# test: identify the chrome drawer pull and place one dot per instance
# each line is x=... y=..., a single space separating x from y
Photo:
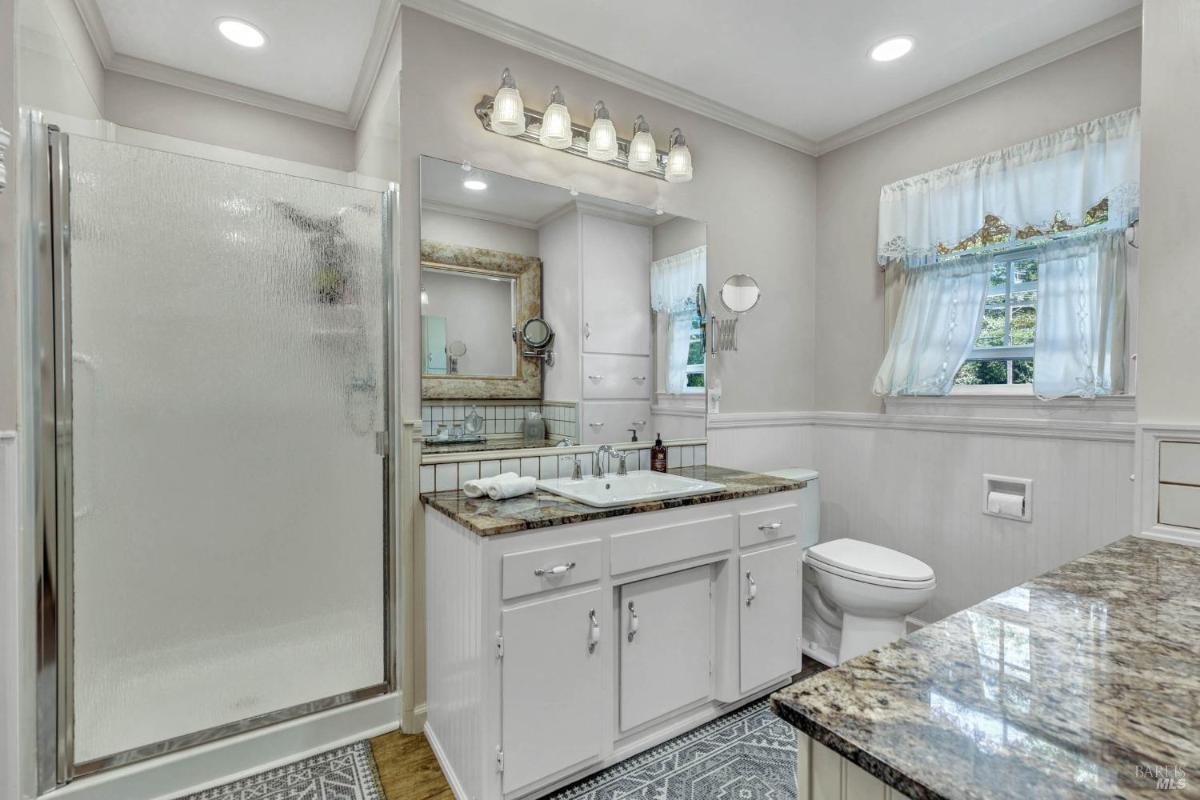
x=752 y=589
x=595 y=377
x=633 y=621
x=593 y=631
x=639 y=379
x=773 y=526
x=639 y=423
x=561 y=569
x=596 y=424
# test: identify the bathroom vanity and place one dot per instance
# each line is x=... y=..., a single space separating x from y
x=562 y=637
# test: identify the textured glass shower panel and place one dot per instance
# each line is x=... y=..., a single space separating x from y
x=228 y=384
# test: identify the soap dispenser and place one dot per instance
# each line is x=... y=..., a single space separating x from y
x=658 y=455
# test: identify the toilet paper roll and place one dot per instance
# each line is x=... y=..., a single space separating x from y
x=1010 y=505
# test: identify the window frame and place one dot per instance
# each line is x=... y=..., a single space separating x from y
x=697 y=333
x=1007 y=353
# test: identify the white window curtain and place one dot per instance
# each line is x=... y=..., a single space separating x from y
x=935 y=327
x=1079 y=347
x=1068 y=194
x=673 y=282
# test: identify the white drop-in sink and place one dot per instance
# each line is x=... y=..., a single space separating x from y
x=638 y=486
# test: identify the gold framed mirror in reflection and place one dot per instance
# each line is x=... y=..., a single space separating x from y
x=473 y=300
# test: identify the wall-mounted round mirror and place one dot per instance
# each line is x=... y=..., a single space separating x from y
x=456 y=349
x=701 y=301
x=537 y=333
x=740 y=293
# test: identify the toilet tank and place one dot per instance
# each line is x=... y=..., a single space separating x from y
x=810 y=502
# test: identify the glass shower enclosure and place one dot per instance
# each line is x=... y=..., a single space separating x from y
x=213 y=465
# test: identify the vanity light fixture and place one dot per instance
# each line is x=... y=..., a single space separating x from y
x=508 y=110
x=893 y=48
x=642 y=155
x=241 y=32
x=600 y=143
x=602 y=138
x=679 y=158
x=556 y=123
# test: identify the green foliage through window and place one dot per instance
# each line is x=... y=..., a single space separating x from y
x=1003 y=350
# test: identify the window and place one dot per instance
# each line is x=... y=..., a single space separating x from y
x=695 y=356
x=1002 y=354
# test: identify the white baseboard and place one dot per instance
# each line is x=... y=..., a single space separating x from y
x=209 y=765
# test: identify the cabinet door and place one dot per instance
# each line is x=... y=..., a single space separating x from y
x=770 y=615
x=616 y=286
x=552 y=682
x=666 y=644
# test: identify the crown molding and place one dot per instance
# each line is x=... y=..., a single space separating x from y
x=1102 y=31
x=385 y=23
x=368 y=74
x=487 y=24
x=471 y=213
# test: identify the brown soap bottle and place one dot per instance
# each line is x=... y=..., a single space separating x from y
x=658 y=455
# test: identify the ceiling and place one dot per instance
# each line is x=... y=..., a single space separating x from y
x=795 y=71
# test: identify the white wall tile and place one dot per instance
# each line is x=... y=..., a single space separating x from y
x=446 y=477
x=549 y=467
x=511 y=465
x=427 y=479
x=489 y=469
x=530 y=467
x=467 y=471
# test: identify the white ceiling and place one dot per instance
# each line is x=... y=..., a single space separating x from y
x=795 y=71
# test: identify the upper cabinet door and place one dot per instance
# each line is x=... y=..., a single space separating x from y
x=552 y=679
x=770 y=599
x=616 y=286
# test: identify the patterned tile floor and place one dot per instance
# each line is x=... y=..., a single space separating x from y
x=408 y=769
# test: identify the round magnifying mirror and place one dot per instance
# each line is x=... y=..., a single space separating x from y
x=457 y=348
x=536 y=333
x=740 y=293
x=701 y=301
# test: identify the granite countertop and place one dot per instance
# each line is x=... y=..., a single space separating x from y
x=543 y=510
x=1081 y=683
x=432 y=446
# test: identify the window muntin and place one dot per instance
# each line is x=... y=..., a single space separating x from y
x=695 y=358
x=1003 y=351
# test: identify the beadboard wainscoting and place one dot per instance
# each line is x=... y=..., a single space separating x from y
x=913 y=482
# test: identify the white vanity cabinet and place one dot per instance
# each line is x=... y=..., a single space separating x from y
x=554 y=652
x=615 y=257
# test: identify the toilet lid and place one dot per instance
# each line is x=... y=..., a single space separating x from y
x=869 y=560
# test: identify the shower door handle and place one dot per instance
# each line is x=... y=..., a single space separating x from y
x=81 y=510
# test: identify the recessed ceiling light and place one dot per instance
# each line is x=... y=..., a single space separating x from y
x=241 y=32
x=475 y=184
x=891 y=49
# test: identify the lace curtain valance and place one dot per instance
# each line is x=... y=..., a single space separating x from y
x=1085 y=176
x=673 y=279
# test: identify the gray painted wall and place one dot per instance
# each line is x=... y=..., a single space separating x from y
x=849 y=287
x=758 y=198
x=1168 y=383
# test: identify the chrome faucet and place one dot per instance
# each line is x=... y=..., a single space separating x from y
x=603 y=450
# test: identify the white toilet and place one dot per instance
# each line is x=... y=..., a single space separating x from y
x=857 y=595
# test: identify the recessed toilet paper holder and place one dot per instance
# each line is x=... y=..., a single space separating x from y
x=1008 y=498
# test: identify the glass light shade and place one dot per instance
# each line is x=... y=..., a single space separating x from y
x=508 y=112
x=556 y=123
x=679 y=159
x=642 y=152
x=602 y=140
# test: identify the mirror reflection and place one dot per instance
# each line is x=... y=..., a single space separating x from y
x=740 y=293
x=554 y=318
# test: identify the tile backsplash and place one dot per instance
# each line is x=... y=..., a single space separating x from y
x=502 y=418
x=450 y=476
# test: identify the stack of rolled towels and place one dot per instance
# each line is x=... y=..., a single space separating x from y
x=500 y=487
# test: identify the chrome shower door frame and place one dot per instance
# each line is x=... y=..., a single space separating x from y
x=53 y=479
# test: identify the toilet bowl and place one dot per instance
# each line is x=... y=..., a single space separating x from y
x=857 y=596
x=872 y=588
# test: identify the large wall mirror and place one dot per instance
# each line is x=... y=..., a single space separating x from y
x=549 y=317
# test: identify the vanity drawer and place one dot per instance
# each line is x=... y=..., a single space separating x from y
x=616 y=377
x=670 y=543
x=769 y=525
x=607 y=421
x=533 y=571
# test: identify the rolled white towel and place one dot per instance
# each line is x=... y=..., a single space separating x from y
x=479 y=487
x=514 y=486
